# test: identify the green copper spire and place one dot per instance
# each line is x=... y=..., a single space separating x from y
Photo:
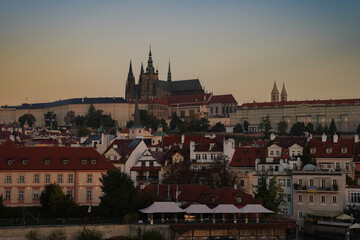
x=150 y=68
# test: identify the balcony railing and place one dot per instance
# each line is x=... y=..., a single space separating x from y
x=333 y=187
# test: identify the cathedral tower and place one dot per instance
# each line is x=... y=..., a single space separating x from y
x=130 y=85
x=275 y=94
x=148 y=80
x=283 y=94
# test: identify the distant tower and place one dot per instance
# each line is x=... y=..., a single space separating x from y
x=130 y=85
x=275 y=94
x=169 y=73
x=283 y=94
x=136 y=130
x=148 y=80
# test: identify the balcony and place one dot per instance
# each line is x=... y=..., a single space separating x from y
x=298 y=187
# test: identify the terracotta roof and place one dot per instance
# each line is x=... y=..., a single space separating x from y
x=229 y=98
x=197 y=99
x=286 y=142
x=357 y=152
x=292 y=103
x=122 y=148
x=37 y=157
x=246 y=156
x=336 y=148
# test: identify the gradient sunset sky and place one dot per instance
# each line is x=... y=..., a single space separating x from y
x=51 y=50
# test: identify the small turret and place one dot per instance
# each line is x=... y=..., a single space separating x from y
x=283 y=94
x=275 y=94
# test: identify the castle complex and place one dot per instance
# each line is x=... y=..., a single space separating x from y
x=150 y=86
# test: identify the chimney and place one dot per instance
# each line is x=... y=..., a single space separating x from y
x=272 y=136
x=182 y=138
x=356 y=138
x=323 y=138
x=335 y=138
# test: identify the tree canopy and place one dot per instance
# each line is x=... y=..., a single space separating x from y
x=238 y=128
x=246 y=126
x=218 y=127
x=282 y=127
x=298 y=129
x=266 y=126
x=271 y=194
x=29 y=118
x=332 y=128
x=118 y=194
x=50 y=120
x=69 y=118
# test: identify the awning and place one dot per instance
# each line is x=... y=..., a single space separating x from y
x=343 y=217
x=163 y=207
x=355 y=226
x=254 y=208
x=198 y=208
x=226 y=208
x=324 y=213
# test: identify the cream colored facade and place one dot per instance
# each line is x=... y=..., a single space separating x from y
x=317 y=191
x=346 y=113
x=23 y=188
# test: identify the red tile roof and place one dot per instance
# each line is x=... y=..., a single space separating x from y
x=336 y=148
x=292 y=103
x=186 y=100
x=246 y=156
x=36 y=157
x=229 y=98
x=286 y=142
x=122 y=149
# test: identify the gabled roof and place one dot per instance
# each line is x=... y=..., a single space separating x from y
x=286 y=142
x=124 y=148
x=36 y=158
x=186 y=100
x=336 y=148
x=228 y=98
x=186 y=85
x=246 y=156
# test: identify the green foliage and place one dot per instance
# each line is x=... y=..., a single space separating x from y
x=319 y=129
x=218 y=127
x=69 y=118
x=2 y=205
x=119 y=194
x=282 y=127
x=129 y=123
x=246 y=126
x=175 y=122
x=179 y=173
x=350 y=181
x=238 y=128
x=147 y=198
x=80 y=121
x=306 y=157
x=54 y=203
x=50 y=120
x=83 y=132
x=353 y=210
x=27 y=117
x=332 y=128
x=358 y=129
x=131 y=218
x=88 y=234
x=164 y=125
x=271 y=194
x=32 y=235
x=55 y=235
x=309 y=128
x=298 y=129
x=266 y=126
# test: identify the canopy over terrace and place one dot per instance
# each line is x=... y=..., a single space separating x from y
x=226 y=208
x=199 y=209
x=254 y=208
x=162 y=207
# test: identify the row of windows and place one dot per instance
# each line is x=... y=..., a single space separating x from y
x=355 y=197
x=322 y=198
x=47 y=179
x=36 y=194
x=204 y=156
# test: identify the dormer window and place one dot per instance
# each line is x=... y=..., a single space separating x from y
x=114 y=146
x=329 y=150
x=83 y=162
x=65 y=161
x=11 y=161
x=47 y=161
x=344 y=150
x=25 y=161
x=238 y=199
x=313 y=150
x=93 y=162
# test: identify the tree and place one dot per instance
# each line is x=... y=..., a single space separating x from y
x=80 y=121
x=282 y=127
x=332 y=128
x=83 y=132
x=271 y=194
x=118 y=194
x=220 y=175
x=218 y=127
x=358 y=129
x=147 y=198
x=88 y=234
x=306 y=157
x=164 y=125
x=179 y=173
x=309 y=128
x=298 y=129
x=246 y=126
x=29 y=118
x=353 y=210
x=319 y=129
x=175 y=122
x=238 y=128
x=54 y=203
x=2 y=205
x=266 y=126
x=69 y=118
x=50 y=120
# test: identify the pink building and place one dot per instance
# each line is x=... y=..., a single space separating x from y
x=24 y=172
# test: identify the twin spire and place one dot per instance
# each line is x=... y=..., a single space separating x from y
x=275 y=94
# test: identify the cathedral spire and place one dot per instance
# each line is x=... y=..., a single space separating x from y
x=283 y=94
x=142 y=68
x=130 y=69
x=169 y=73
x=130 y=84
x=150 y=68
x=275 y=94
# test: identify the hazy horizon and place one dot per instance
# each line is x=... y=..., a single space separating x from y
x=51 y=50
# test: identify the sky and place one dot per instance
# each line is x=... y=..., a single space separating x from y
x=51 y=50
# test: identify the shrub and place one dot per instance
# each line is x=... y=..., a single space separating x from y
x=152 y=235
